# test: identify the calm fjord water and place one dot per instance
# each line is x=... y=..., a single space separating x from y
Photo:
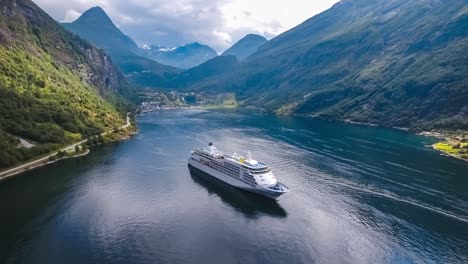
x=358 y=195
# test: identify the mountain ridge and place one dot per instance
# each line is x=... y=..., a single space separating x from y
x=366 y=61
x=55 y=88
x=184 y=57
x=95 y=22
x=200 y=75
x=246 y=46
x=97 y=27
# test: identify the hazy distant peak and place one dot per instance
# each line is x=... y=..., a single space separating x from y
x=186 y=56
x=246 y=46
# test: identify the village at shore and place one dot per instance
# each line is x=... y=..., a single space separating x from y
x=453 y=144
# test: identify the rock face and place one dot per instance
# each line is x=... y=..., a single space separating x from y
x=30 y=27
x=96 y=27
x=55 y=88
x=104 y=74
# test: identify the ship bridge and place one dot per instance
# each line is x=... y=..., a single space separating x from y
x=249 y=163
x=211 y=151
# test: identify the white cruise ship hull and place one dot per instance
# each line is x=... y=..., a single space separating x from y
x=273 y=194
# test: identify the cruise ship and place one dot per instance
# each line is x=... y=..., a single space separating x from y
x=242 y=172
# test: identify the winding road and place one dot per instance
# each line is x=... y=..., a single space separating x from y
x=18 y=169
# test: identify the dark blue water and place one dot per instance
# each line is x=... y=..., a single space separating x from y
x=358 y=195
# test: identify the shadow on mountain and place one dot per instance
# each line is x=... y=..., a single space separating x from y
x=250 y=204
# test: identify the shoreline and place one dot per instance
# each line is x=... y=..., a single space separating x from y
x=448 y=139
x=443 y=153
x=442 y=136
x=42 y=162
x=8 y=173
x=39 y=164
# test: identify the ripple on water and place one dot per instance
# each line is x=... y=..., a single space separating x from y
x=358 y=195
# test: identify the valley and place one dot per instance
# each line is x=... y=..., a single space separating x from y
x=363 y=61
x=61 y=89
x=359 y=107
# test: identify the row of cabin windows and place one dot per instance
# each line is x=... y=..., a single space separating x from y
x=247 y=175
x=233 y=173
x=208 y=156
x=201 y=154
x=225 y=170
x=229 y=169
x=249 y=181
x=260 y=172
x=229 y=165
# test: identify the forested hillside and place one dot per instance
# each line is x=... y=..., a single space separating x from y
x=246 y=46
x=395 y=63
x=54 y=87
x=204 y=73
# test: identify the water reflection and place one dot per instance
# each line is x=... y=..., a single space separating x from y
x=252 y=205
x=359 y=195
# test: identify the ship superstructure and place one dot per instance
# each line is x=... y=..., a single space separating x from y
x=242 y=172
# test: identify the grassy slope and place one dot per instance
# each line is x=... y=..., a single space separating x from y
x=201 y=75
x=458 y=150
x=52 y=85
x=223 y=101
x=394 y=63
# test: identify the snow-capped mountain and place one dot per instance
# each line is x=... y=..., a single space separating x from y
x=184 y=57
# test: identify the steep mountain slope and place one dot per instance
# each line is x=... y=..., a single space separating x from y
x=246 y=46
x=52 y=84
x=202 y=74
x=395 y=63
x=184 y=57
x=95 y=26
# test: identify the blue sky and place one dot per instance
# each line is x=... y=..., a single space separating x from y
x=218 y=23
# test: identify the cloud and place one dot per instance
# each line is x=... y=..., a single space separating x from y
x=223 y=35
x=218 y=23
x=71 y=15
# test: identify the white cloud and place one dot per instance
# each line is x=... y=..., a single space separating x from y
x=71 y=15
x=269 y=16
x=218 y=23
x=223 y=35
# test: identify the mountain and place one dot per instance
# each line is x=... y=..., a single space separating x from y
x=246 y=46
x=394 y=63
x=55 y=88
x=202 y=74
x=95 y=26
x=184 y=57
